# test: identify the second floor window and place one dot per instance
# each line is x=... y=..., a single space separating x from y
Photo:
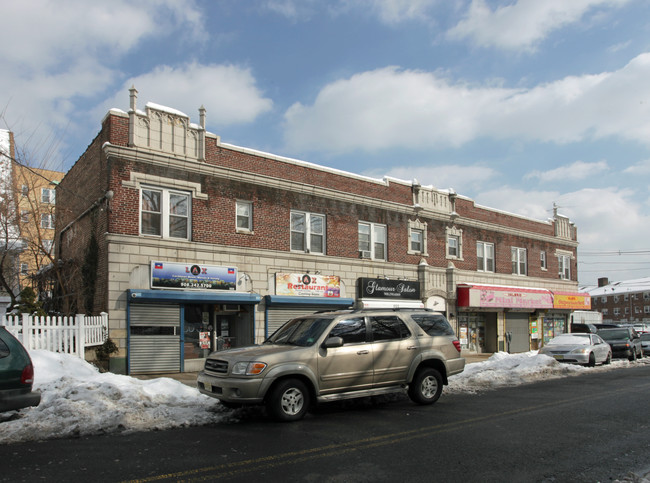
x=564 y=263
x=307 y=232
x=417 y=240
x=24 y=269
x=372 y=241
x=484 y=257
x=244 y=216
x=47 y=195
x=519 y=264
x=165 y=213
x=542 y=260
x=47 y=221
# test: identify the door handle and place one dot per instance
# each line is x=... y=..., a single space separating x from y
x=411 y=348
x=362 y=352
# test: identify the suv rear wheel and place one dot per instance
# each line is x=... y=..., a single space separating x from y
x=289 y=400
x=426 y=386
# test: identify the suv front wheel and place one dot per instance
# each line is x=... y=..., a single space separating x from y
x=288 y=400
x=426 y=386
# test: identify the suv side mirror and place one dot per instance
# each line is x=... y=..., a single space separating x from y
x=332 y=342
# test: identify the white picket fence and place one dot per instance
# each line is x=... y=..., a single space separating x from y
x=70 y=335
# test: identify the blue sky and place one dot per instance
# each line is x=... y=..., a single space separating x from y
x=517 y=104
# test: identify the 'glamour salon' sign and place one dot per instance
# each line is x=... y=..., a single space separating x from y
x=388 y=289
x=174 y=275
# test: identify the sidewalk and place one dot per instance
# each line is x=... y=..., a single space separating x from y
x=189 y=378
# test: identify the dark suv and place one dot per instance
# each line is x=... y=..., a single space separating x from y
x=337 y=355
x=16 y=374
x=625 y=342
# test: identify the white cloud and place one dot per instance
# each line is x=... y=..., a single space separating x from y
x=228 y=92
x=573 y=172
x=642 y=168
x=523 y=24
x=461 y=178
x=391 y=107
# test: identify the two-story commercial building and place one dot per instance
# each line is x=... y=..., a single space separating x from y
x=191 y=245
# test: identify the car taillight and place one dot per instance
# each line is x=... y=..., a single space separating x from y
x=457 y=345
x=27 y=377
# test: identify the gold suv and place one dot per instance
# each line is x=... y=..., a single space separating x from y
x=337 y=355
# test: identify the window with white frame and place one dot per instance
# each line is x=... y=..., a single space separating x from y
x=564 y=266
x=372 y=240
x=454 y=244
x=47 y=195
x=47 y=220
x=24 y=216
x=603 y=300
x=307 y=232
x=244 y=216
x=48 y=245
x=519 y=261
x=617 y=311
x=24 y=190
x=484 y=257
x=605 y=311
x=542 y=260
x=417 y=238
x=627 y=310
x=646 y=295
x=165 y=213
x=626 y=297
x=646 y=309
x=24 y=269
x=616 y=299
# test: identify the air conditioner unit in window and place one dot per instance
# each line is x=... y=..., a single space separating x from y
x=364 y=254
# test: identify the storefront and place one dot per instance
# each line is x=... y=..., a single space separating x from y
x=299 y=294
x=556 y=320
x=190 y=311
x=495 y=318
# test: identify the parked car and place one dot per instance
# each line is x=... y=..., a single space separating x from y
x=645 y=343
x=587 y=349
x=625 y=342
x=16 y=375
x=338 y=355
x=583 y=328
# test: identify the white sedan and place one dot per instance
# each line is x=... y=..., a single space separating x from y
x=587 y=349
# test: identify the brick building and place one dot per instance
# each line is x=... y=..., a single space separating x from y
x=191 y=245
x=624 y=302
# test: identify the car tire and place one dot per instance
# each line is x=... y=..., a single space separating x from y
x=592 y=360
x=608 y=360
x=426 y=386
x=288 y=400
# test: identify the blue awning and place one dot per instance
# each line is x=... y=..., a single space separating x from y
x=272 y=300
x=189 y=296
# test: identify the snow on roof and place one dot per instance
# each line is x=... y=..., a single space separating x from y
x=625 y=286
x=159 y=107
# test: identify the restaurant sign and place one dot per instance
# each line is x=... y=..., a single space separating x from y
x=307 y=285
x=388 y=289
x=182 y=276
x=571 y=300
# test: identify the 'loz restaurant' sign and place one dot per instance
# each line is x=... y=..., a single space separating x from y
x=388 y=289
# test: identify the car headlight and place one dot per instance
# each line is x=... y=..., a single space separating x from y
x=248 y=368
x=580 y=351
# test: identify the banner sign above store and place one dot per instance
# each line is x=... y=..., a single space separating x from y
x=182 y=276
x=388 y=289
x=571 y=300
x=504 y=297
x=307 y=285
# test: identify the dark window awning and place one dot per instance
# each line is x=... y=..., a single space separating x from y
x=189 y=296
x=284 y=300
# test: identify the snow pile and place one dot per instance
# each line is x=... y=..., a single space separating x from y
x=78 y=400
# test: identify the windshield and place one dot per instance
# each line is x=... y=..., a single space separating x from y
x=302 y=332
x=645 y=336
x=612 y=334
x=574 y=339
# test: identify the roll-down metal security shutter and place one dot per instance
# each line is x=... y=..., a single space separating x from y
x=155 y=341
x=517 y=324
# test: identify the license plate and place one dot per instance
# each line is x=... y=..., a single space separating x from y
x=558 y=357
x=207 y=386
